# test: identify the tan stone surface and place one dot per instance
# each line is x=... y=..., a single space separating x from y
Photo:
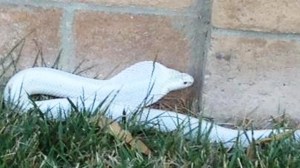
x=115 y=41
x=39 y=27
x=258 y=15
x=169 y=4
x=252 y=78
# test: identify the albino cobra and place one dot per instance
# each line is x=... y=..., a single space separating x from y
x=131 y=90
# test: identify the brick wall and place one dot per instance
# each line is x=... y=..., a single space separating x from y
x=253 y=65
x=107 y=35
x=244 y=55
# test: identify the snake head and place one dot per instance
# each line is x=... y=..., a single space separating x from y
x=167 y=79
x=179 y=80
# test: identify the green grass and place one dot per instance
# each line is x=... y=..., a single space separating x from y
x=28 y=140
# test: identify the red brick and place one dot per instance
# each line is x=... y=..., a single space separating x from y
x=115 y=41
x=39 y=27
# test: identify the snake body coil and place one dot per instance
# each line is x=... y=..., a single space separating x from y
x=143 y=84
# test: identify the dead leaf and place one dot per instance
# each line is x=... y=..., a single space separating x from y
x=117 y=131
x=251 y=150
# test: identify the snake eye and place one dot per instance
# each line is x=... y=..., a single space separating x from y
x=185 y=83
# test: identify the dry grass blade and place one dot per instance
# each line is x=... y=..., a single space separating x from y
x=277 y=137
x=251 y=150
x=118 y=132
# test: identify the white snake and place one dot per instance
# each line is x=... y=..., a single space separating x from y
x=140 y=85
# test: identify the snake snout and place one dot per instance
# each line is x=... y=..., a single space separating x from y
x=187 y=79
